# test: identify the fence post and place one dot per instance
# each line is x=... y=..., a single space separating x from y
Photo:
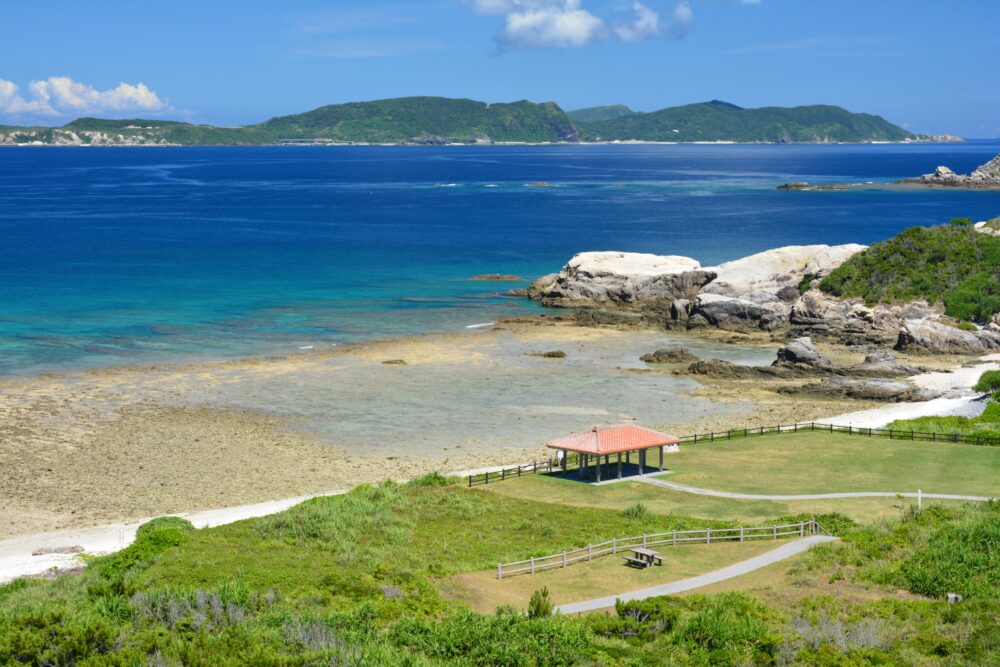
x=741 y=533
x=614 y=545
x=470 y=481
x=564 y=559
x=643 y=541
x=673 y=539
x=499 y=571
x=708 y=536
x=590 y=552
x=774 y=531
x=487 y=478
x=802 y=529
x=518 y=471
x=532 y=565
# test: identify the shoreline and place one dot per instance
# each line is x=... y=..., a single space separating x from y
x=17 y=558
x=496 y=144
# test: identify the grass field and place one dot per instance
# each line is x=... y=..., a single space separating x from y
x=606 y=575
x=817 y=462
x=664 y=501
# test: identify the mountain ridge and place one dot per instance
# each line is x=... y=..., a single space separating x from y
x=425 y=120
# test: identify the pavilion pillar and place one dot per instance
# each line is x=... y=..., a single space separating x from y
x=598 y=467
x=565 y=455
x=642 y=459
x=661 y=458
x=583 y=465
x=619 y=465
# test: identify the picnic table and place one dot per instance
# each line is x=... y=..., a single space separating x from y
x=643 y=558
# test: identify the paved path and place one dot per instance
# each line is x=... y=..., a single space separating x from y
x=773 y=556
x=808 y=496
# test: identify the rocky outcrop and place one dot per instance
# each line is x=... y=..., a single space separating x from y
x=735 y=313
x=802 y=353
x=874 y=389
x=672 y=355
x=933 y=337
x=766 y=273
x=984 y=176
x=621 y=279
x=882 y=365
x=823 y=313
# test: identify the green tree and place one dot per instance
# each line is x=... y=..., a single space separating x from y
x=540 y=605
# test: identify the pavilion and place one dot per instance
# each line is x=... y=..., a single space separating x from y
x=601 y=442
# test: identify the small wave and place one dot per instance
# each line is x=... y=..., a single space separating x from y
x=480 y=326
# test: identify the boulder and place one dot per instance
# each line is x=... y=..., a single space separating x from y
x=672 y=355
x=621 y=278
x=883 y=365
x=803 y=353
x=734 y=313
x=933 y=337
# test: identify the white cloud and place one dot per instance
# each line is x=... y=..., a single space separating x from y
x=62 y=96
x=683 y=18
x=567 y=23
x=645 y=24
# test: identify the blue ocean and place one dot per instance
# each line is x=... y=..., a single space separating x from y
x=135 y=255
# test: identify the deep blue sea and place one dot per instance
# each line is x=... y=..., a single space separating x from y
x=125 y=255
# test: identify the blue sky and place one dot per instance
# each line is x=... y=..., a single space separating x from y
x=927 y=65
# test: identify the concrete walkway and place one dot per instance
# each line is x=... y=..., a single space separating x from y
x=807 y=496
x=773 y=556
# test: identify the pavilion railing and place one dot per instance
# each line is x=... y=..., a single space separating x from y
x=673 y=538
x=573 y=460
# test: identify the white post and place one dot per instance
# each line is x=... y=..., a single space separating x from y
x=532 y=565
x=614 y=545
x=741 y=533
x=920 y=499
x=708 y=536
x=499 y=571
x=590 y=552
x=564 y=559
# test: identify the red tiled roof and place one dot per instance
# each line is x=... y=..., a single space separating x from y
x=612 y=439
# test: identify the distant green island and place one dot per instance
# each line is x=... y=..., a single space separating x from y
x=441 y=121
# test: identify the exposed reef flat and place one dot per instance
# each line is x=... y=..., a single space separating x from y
x=124 y=443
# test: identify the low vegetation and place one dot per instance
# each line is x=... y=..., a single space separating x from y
x=986 y=424
x=952 y=264
x=353 y=580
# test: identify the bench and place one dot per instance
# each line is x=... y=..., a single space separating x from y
x=637 y=562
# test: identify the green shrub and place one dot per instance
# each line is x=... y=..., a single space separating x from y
x=960 y=557
x=540 y=605
x=151 y=539
x=731 y=627
x=951 y=264
x=988 y=382
x=966 y=326
x=431 y=479
x=637 y=512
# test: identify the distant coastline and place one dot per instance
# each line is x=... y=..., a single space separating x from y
x=438 y=121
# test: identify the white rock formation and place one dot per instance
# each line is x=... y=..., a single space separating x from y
x=769 y=271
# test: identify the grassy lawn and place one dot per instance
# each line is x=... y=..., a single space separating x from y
x=817 y=462
x=604 y=576
x=393 y=535
x=665 y=501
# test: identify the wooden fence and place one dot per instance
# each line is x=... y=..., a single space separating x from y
x=573 y=460
x=707 y=536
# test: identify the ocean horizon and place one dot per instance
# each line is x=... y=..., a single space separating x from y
x=121 y=256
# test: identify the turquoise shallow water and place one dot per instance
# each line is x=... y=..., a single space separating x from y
x=126 y=255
